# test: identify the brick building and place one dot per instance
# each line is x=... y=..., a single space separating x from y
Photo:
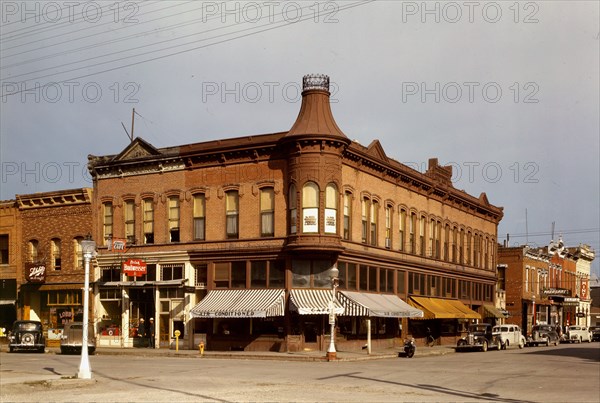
x=9 y=261
x=51 y=275
x=239 y=238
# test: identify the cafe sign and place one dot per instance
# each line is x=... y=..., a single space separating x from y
x=134 y=267
x=35 y=272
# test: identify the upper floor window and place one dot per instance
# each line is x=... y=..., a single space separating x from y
x=347 y=214
x=310 y=208
x=412 y=233
x=78 y=252
x=199 y=217
x=232 y=214
x=364 y=212
x=148 y=206
x=33 y=250
x=422 y=236
x=331 y=207
x=174 y=219
x=130 y=221
x=107 y=221
x=402 y=229
x=292 y=202
x=374 y=214
x=267 y=212
x=388 y=227
x=4 y=256
x=171 y=272
x=55 y=254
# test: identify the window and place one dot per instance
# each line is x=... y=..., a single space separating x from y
x=130 y=221
x=402 y=229
x=107 y=223
x=469 y=251
x=454 y=245
x=374 y=221
x=310 y=208
x=110 y=274
x=386 y=280
x=364 y=214
x=201 y=275
x=292 y=200
x=199 y=217
x=55 y=254
x=388 y=227
x=232 y=214
x=461 y=252
x=33 y=247
x=276 y=274
x=422 y=235
x=476 y=260
x=148 y=221
x=447 y=243
x=221 y=275
x=347 y=214
x=171 y=272
x=311 y=273
x=4 y=256
x=401 y=282
x=174 y=219
x=267 y=212
x=431 y=237
x=238 y=274
x=78 y=252
x=412 y=229
x=258 y=274
x=331 y=206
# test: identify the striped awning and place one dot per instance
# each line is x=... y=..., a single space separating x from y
x=241 y=304
x=438 y=308
x=381 y=305
x=314 y=302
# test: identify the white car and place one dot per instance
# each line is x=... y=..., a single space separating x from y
x=577 y=334
x=509 y=335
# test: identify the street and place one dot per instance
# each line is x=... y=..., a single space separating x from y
x=538 y=374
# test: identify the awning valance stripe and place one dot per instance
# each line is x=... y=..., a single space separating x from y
x=381 y=305
x=241 y=304
x=313 y=302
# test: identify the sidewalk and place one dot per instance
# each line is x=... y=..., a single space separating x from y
x=268 y=355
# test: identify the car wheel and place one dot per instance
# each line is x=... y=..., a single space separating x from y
x=499 y=345
x=461 y=344
x=556 y=342
x=521 y=344
x=484 y=346
x=547 y=342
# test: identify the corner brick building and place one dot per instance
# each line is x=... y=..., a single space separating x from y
x=236 y=242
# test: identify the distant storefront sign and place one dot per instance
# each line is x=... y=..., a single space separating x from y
x=134 y=267
x=562 y=292
x=35 y=273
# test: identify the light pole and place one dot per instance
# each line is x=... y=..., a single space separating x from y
x=331 y=353
x=88 y=247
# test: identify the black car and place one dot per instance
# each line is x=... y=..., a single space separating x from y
x=544 y=335
x=595 y=330
x=27 y=335
x=480 y=337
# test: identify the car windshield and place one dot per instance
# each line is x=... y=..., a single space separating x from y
x=574 y=328
x=27 y=326
x=544 y=328
x=478 y=328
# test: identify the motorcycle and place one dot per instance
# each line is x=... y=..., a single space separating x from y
x=409 y=347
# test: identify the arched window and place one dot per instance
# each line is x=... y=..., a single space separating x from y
x=310 y=208
x=174 y=219
x=267 y=212
x=129 y=221
x=148 y=221
x=347 y=214
x=293 y=209
x=331 y=206
x=199 y=216
x=77 y=252
x=33 y=247
x=232 y=214
x=107 y=223
x=55 y=255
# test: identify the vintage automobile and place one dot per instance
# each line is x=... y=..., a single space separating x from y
x=509 y=335
x=72 y=338
x=544 y=335
x=480 y=337
x=595 y=330
x=27 y=335
x=578 y=334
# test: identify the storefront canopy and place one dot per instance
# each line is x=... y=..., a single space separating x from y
x=382 y=305
x=490 y=311
x=313 y=302
x=241 y=304
x=438 y=308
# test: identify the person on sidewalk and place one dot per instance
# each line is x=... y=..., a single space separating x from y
x=141 y=332
x=150 y=333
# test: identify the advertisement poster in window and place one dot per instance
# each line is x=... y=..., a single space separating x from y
x=310 y=220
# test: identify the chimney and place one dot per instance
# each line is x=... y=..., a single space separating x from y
x=315 y=117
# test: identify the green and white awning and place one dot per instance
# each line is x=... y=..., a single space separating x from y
x=241 y=304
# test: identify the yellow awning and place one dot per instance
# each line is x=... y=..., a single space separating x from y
x=438 y=308
x=490 y=311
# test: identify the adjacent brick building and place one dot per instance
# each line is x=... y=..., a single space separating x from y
x=239 y=238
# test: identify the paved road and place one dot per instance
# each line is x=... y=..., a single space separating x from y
x=543 y=374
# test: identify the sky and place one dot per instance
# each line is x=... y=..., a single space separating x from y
x=506 y=92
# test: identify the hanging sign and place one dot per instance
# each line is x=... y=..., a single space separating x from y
x=35 y=273
x=134 y=267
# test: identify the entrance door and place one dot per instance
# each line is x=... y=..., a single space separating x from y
x=312 y=329
x=141 y=305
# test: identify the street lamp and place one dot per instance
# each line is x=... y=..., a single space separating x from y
x=88 y=247
x=331 y=353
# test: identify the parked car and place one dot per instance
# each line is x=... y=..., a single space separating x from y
x=480 y=337
x=27 y=335
x=509 y=335
x=72 y=338
x=578 y=334
x=543 y=334
x=595 y=330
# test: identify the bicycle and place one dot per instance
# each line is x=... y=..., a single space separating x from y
x=430 y=340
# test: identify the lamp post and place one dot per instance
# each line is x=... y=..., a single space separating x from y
x=331 y=353
x=88 y=247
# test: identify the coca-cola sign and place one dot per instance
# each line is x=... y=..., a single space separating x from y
x=134 y=267
x=35 y=272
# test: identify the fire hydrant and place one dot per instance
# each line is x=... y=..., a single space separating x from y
x=201 y=347
x=177 y=334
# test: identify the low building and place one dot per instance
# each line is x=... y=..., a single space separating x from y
x=261 y=242
x=9 y=262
